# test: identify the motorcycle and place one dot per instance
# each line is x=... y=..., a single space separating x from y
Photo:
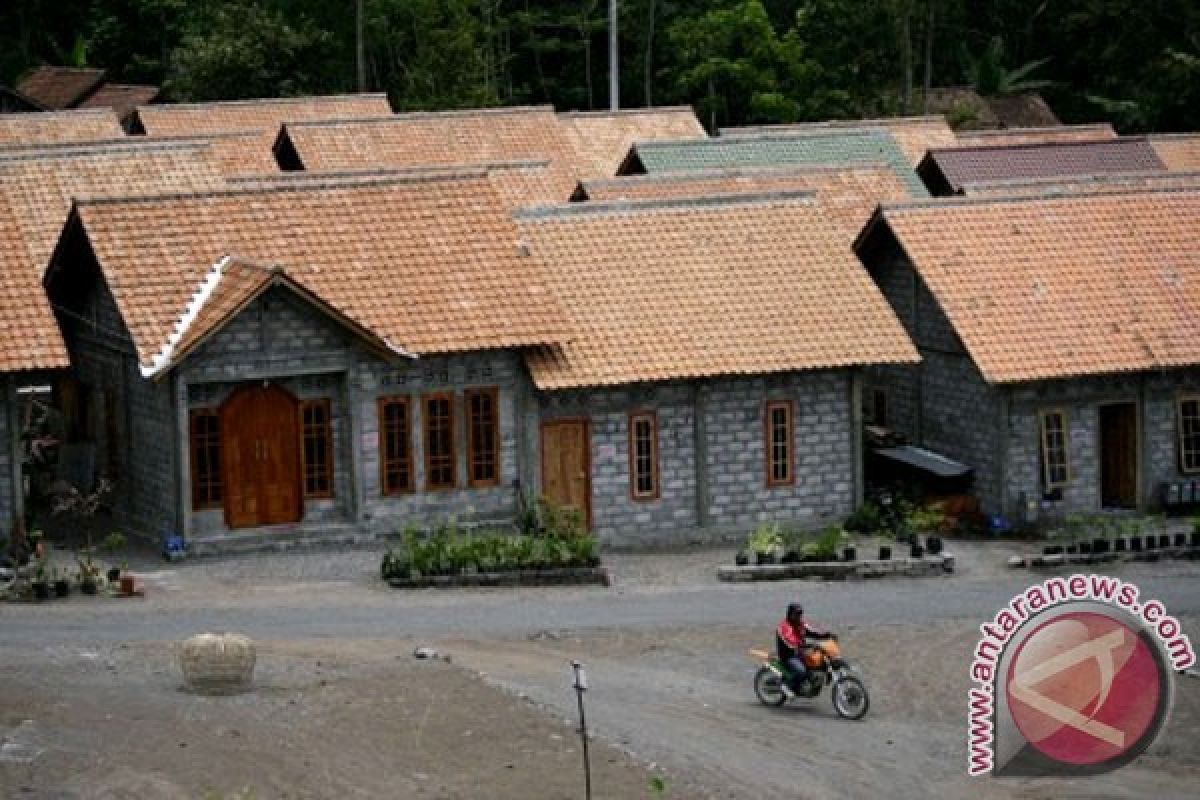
x=826 y=667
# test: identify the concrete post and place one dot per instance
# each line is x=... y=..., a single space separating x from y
x=856 y=434
x=700 y=449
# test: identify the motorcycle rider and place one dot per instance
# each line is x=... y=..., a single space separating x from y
x=789 y=645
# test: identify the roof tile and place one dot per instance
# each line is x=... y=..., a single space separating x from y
x=51 y=127
x=1179 y=151
x=914 y=135
x=263 y=115
x=602 y=138
x=29 y=332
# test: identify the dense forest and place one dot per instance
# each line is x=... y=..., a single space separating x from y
x=1135 y=62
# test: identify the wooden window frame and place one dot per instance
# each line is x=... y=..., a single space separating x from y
x=211 y=502
x=1044 y=446
x=327 y=404
x=1187 y=466
x=769 y=442
x=656 y=487
x=410 y=485
x=492 y=392
x=425 y=438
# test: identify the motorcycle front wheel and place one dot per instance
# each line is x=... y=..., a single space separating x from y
x=850 y=698
x=769 y=687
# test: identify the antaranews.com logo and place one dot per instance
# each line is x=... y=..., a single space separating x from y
x=1075 y=676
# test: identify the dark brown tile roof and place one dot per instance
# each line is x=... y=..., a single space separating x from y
x=732 y=285
x=1051 y=287
x=1090 y=184
x=1023 y=111
x=60 y=87
x=428 y=264
x=121 y=97
x=51 y=127
x=949 y=169
x=29 y=335
x=1055 y=133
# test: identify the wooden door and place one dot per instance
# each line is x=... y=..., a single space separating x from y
x=566 y=465
x=260 y=445
x=1118 y=455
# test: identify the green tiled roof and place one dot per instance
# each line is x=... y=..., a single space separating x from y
x=833 y=148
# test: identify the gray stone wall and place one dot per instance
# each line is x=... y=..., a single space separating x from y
x=1161 y=429
x=9 y=458
x=900 y=383
x=719 y=423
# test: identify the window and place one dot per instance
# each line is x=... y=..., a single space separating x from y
x=1189 y=434
x=643 y=455
x=483 y=437
x=317 y=433
x=395 y=447
x=439 y=441
x=779 y=443
x=879 y=408
x=1055 y=467
x=204 y=438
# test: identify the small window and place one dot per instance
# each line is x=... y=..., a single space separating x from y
x=643 y=455
x=439 y=441
x=318 y=448
x=779 y=438
x=204 y=439
x=1055 y=461
x=395 y=445
x=879 y=408
x=1189 y=434
x=483 y=437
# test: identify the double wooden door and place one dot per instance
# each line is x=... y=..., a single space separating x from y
x=566 y=465
x=260 y=446
x=1118 y=455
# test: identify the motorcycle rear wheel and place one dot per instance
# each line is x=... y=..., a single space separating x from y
x=769 y=687
x=850 y=698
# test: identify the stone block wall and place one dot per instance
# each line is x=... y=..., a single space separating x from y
x=1160 y=424
x=9 y=461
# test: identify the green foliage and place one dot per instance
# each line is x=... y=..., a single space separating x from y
x=111 y=543
x=928 y=519
x=867 y=518
x=988 y=75
x=829 y=542
x=658 y=786
x=766 y=538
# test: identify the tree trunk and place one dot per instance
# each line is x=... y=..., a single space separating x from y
x=927 y=84
x=648 y=66
x=906 y=55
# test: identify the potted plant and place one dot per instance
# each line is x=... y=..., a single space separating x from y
x=126 y=579
x=110 y=544
x=742 y=558
x=849 y=553
x=885 y=552
x=764 y=541
x=62 y=586
x=89 y=577
x=41 y=581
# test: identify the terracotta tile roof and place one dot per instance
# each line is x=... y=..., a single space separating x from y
x=41 y=183
x=51 y=127
x=1084 y=183
x=29 y=335
x=60 y=87
x=519 y=183
x=241 y=154
x=121 y=97
x=1028 y=110
x=914 y=135
x=831 y=148
x=1177 y=150
x=446 y=138
x=949 y=169
x=1042 y=288
x=602 y=138
x=848 y=194
x=234 y=116
x=1055 y=133
x=228 y=287
x=665 y=290
x=433 y=267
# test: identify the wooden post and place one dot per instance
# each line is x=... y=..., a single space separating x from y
x=581 y=687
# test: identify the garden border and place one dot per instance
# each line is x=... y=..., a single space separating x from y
x=564 y=576
x=926 y=566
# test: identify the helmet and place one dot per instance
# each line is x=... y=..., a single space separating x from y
x=794 y=609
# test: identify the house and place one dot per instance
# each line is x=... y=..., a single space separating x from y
x=848 y=195
x=62 y=88
x=446 y=138
x=53 y=127
x=33 y=348
x=853 y=146
x=1118 y=182
x=945 y=171
x=914 y=135
x=712 y=377
x=1092 y=132
x=287 y=363
x=1179 y=151
x=1059 y=338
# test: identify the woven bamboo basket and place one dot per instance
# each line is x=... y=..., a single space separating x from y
x=218 y=663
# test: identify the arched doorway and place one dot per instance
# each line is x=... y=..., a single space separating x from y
x=261 y=457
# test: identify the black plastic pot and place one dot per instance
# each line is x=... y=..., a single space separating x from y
x=62 y=588
x=1100 y=545
x=113 y=574
x=1052 y=550
x=1181 y=540
x=790 y=557
x=933 y=544
x=741 y=559
x=41 y=590
x=915 y=550
x=1085 y=548
x=1164 y=540
x=1135 y=544
x=885 y=552
x=1195 y=538
x=1072 y=549
x=1121 y=545
x=764 y=558
x=1151 y=542
x=849 y=554
x=88 y=586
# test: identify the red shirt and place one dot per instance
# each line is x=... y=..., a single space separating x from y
x=792 y=635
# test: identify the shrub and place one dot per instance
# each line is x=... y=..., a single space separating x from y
x=867 y=518
x=829 y=543
x=765 y=538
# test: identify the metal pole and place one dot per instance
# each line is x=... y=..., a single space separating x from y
x=614 y=71
x=581 y=687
